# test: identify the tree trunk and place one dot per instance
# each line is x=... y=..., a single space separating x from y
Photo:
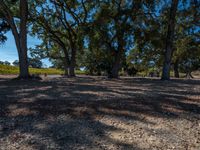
x=66 y=72
x=169 y=41
x=66 y=69
x=189 y=75
x=118 y=56
x=176 y=71
x=23 y=66
x=98 y=72
x=19 y=36
x=72 y=71
x=66 y=60
x=116 y=66
x=23 y=58
x=72 y=63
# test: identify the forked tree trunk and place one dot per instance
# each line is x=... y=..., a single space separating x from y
x=19 y=36
x=22 y=55
x=169 y=41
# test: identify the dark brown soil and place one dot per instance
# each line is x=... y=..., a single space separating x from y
x=95 y=113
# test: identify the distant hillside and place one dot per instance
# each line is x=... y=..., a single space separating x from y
x=12 y=70
x=5 y=69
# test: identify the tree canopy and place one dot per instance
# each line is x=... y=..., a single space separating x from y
x=109 y=36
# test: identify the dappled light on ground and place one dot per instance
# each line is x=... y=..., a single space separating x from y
x=97 y=113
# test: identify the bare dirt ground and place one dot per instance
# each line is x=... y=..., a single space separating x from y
x=95 y=113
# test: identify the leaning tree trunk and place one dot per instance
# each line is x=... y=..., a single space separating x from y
x=169 y=41
x=176 y=70
x=189 y=75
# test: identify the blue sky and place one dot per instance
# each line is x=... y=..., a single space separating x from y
x=8 y=51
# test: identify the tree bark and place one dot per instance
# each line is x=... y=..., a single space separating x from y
x=66 y=61
x=176 y=70
x=169 y=41
x=116 y=66
x=23 y=58
x=72 y=71
x=118 y=55
x=66 y=69
x=21 y=36
x=189 y=75
x=72 y=63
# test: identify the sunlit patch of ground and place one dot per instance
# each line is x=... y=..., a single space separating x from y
x=98 y=113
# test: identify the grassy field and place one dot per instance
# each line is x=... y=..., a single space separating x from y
x=10 y=70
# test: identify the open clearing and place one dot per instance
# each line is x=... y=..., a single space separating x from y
x=98 y=113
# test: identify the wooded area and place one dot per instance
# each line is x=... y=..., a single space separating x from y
x=124 y=75
x=106 y=37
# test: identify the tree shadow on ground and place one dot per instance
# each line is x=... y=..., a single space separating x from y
x=65 y=113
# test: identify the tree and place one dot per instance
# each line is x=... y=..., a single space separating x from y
x=95 y=60
x=35 y=62
x=16 y=63
x=169 y=41
x=20 y=34
x=63 y=28
x=186 y=42
x=114 y=26
x=4 y=27
x=150 y=38
x=7 y=63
